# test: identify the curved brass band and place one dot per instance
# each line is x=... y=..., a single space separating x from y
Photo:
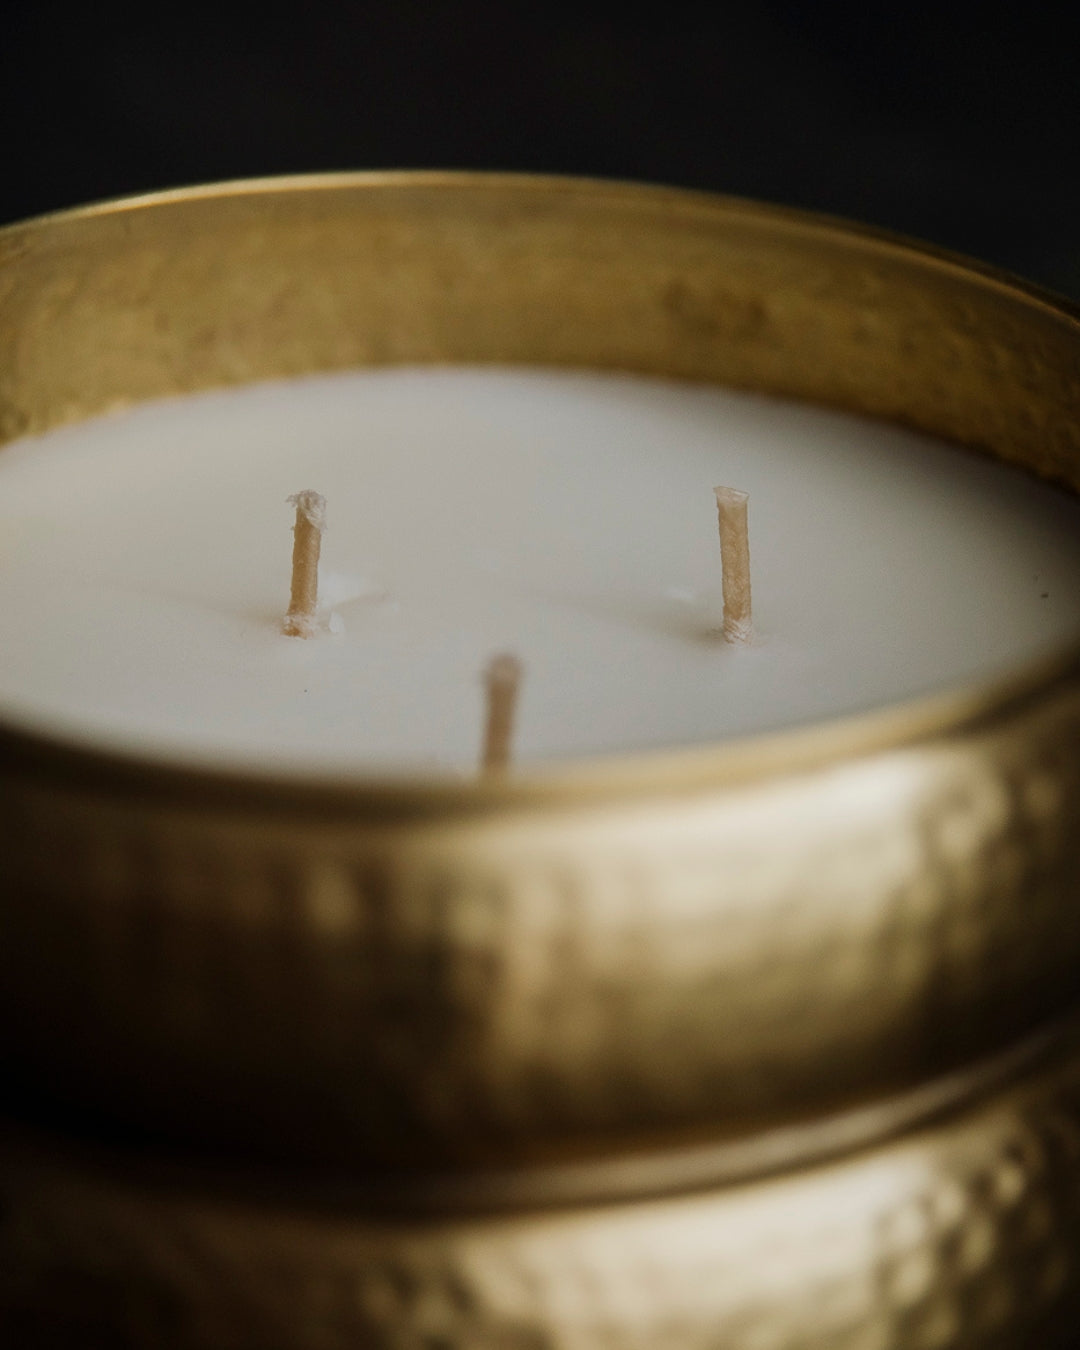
x=547 y=979
x=250 y=281
x=962 y=1233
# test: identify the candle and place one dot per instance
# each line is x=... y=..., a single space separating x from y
x=673 y=981
x=567 y=518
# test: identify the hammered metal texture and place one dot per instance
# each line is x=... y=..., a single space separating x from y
x=543 y=978
x=225 y=284
x=965 y=1234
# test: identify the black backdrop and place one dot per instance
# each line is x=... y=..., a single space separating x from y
x=955 y=124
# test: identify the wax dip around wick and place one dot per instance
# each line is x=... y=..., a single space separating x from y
x=300 y=620
x=735 y=564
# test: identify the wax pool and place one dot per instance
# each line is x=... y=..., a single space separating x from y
x=568 y=518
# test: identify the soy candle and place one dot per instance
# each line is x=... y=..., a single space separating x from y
x=692 y=984
x=566 y=518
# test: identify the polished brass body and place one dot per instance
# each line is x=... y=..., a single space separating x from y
x=764 y=1044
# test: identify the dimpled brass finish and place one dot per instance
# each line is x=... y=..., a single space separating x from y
x=741 y=1012
x=964 y=1233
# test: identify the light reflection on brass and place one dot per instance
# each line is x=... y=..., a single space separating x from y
x=824 y=965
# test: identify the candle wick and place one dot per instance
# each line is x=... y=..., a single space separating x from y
x=307 y=541
x=503 y=680
x=731 y=506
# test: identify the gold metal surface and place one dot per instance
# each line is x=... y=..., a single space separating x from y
x=739 y=950
x=962 y=1233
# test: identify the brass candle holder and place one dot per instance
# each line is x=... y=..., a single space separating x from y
x=765 y=1044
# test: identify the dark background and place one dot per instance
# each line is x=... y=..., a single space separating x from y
x=955 y=124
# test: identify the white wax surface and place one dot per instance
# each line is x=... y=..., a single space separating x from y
x=566 y=517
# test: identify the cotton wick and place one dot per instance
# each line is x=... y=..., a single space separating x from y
x=503 y=680
x=307 y=540
x=735 y=564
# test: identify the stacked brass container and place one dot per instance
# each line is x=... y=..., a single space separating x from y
x=764 y=1045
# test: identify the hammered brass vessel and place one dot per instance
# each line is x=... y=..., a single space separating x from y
x=762 y=1045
